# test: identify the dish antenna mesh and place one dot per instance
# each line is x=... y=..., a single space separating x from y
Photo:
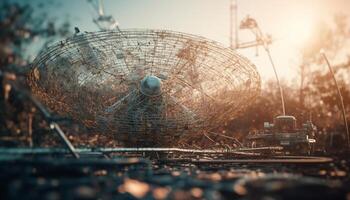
x=145 y=81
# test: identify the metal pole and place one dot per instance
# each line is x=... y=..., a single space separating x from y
x=231 y=31
x=47 y=116
x=277 y=79
x=340 y=97
x=236 y=24
x=233 y=19
x=131 y=149
x=54 y=126
x=101 y=8
x=266 y=47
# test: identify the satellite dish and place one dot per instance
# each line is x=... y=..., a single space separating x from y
x=134 y=83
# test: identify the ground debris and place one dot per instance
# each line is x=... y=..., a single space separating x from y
x=117 y=178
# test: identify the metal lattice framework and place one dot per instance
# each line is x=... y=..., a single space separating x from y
x=145 y=81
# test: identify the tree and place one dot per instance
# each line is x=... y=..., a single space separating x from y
x=19 y=28
x=334 y=39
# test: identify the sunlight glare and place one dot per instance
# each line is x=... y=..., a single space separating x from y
x=300 y=30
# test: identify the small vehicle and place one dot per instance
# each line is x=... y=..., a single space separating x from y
x=284 y=132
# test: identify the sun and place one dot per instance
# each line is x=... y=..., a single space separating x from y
x=300 y=29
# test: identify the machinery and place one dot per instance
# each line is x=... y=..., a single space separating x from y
x=144 y=85
x=284 y=132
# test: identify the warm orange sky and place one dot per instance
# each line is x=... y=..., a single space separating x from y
x=290 y=22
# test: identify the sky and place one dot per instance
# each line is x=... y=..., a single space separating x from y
x=290 y=22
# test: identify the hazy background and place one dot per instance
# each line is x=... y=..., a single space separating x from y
x=300 y=29
x=291 y=23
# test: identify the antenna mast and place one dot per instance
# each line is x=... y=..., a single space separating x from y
x=231 y=28
x=104 y=22
x=260 y=40
x=340 y=96
x=233 y=22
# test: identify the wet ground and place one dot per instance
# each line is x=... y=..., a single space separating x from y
x=96 y=177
